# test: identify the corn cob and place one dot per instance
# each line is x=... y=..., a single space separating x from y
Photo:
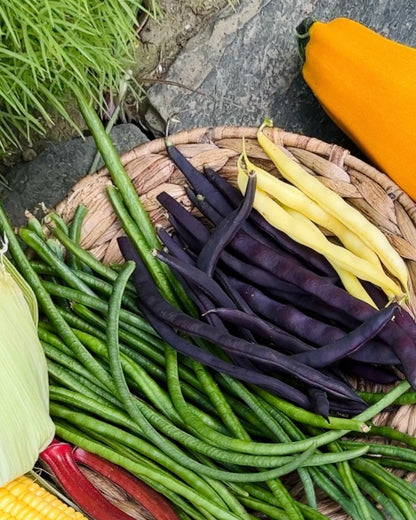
x=24 y=499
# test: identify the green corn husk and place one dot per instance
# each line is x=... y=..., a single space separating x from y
x=25 y=425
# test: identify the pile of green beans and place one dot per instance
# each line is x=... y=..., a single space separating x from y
x=215 y=447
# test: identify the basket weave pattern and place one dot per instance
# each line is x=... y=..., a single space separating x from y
x=151 y=171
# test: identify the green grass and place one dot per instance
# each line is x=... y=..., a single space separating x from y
x=48 y=47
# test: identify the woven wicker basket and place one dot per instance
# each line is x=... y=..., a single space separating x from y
x=151 y=171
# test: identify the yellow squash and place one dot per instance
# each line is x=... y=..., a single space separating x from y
x=367 y=85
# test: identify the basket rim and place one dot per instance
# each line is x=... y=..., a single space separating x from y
x=338 y=154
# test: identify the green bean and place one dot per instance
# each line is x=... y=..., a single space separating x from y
x=306 y=417
x=266 y=496
x=134 y=456
x=95 y=405
x=229 y=498
x=48 y=307
x=44 y=252
x=59 y=222
x=135 y=234
x=396 y=464
x=77 y=382
x=374 y=397
x=102 y=286
x=303 y=472
x=84 y=256
x=350 y=486
x=74 y=234
x=156 y=395
x=34 y=225
x=334 y=493
x=384 y=402
x=224 y=410
x=302 y=444
x=55 y=247
x=143 y=448
x=150 y=367
x=63 y=359
x=117 y=171
x=178 y=435
x=405 y=508
x=263 y=413
x=137 y=341
x=197 y=498
x=99 y=285
x=123 y=390
x=164 y=278
x=271 y=511
x=83 y=421
x=46 y=335
x=381 y=475
x=384 y=449
x=378 y=496
x=97 y=304
x=147 y=385
x=288 y=504
x=391 y=433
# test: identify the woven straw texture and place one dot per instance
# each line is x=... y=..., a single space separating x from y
x=151 y=171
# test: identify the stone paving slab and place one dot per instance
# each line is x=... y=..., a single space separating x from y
x=48 y=178
x=245 y=65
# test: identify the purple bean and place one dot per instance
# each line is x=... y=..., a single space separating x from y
x=267 y=331
x=226 y=231
x=345 y=407
x=305 y=254
x=193 y=327
x=333 y=352
x=200 y=202
x=232 y=193
x=226 y=282
x=286 y=316
x=314 y=331
x=401 y=342
x=356 y=310
x=188 y=221
x=319 y=401
x=197 y=180
x=374 y=373
x=173 y=246
x=143 y=280
x=201 y=300
x=197 y=277
x=216 y=218
x=196 y=234
x=203 y=303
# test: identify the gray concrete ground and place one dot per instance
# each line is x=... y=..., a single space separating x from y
x=242 y=67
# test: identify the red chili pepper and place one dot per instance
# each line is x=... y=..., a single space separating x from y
x=63 y=461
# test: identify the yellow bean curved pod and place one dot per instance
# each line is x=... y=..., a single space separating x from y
x=280 y=219
x=335 y=205
x=294 y=198
x=350 y=282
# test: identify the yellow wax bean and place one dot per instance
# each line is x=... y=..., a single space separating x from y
x=336 y=205
x=350 y=282
x=294 y=198
x=316 y=240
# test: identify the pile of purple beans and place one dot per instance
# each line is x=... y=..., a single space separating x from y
x=271 y=312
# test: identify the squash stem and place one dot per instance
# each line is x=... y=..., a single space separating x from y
x=302 y=35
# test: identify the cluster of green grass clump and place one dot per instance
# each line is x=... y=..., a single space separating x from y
x=51 y=48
